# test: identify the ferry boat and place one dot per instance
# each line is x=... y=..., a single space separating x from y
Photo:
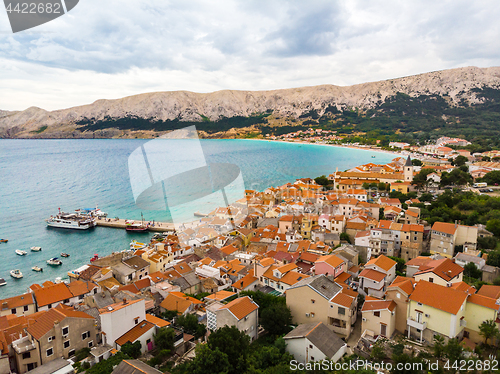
x=71 y=221
x=4 y=240
x=3 y=282
x=20 y=252
x=16 y=274
x=36 y=249
x=37 y=268
x=54 y=261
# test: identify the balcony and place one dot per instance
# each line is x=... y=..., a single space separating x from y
x=412 y=322
x=23 y=345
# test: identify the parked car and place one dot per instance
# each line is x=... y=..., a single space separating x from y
x=490 y=190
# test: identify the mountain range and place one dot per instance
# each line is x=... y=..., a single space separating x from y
x=439 y=99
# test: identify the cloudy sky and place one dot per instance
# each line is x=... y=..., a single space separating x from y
x=115 y=48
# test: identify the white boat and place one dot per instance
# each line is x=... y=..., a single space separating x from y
x=16 y=274
x=92 y=212
x=36 y=249
x=20 y=252
x=71 y=221
x=2 y=282
x=37 y=268
x=54 y=261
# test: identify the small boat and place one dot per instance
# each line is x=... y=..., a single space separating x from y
x=373 y=156
x=132 y=226
x=36 y=249
x=16 y=274
x=54 y=261
x=37 y=268
x=4 y=240
x=64 y=254
x=2 y=282
x=96 y=257
x=20 y=252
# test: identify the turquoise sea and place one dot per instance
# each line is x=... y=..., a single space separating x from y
x=39 y=176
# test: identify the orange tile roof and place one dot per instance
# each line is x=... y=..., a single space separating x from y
x=157 y=321
x=440 y=297
x=356 y=226
x=52 y=294
x=135 y=333
x=487 y=302
x=244 y=282
x=286 y=268
x=117 y=306
x=404 y=284
x=462 y=286
x=182 y=268
x=45 y=322
x=16 y=301
x=447 y=228
x=343 y=299
x=220 y=295
x=370 y=305
x=229 y=249
x=241 y=307
x=489 y=291
x=418 y=261
x=266 y=262
x=78 y=288
x=342 y=277
x=444 y=268
x=375 y=275
x=332 y=260
x=382 y=262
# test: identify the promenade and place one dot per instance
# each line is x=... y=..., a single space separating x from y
x=121 y=224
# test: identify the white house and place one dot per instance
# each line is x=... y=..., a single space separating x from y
x=119 y=318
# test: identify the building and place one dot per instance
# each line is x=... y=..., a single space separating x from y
x=22 y=305
x=443 y=272
x=478 y=309
x=134 y=367
x=330 y=265
x=436 y=310
x=377 y=275
x=400 y=291
x=379 y=317
x=314 y=342
x=143 y=332
x=118 y=318
x=446 y=236
x=242 y=312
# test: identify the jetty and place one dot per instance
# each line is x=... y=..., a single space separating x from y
x=122 y=224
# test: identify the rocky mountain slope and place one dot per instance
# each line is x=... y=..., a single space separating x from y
x=457 y=86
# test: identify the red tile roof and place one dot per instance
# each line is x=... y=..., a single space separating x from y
x=372 y=274
x=52 y=294
x=135 y=333
x=383 y=262
x=489 y=291
x=241 y=307
x=444 y=268
x=487 y=302
x=378 y=305
x=440 y=297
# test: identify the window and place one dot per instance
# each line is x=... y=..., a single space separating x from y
x=136 y=320
x=86 y=335
x=13 y=310
x=25 y=308
x=341 y=310
x=26 y=355
x=65 y=330
x=66 y=344
x=376 y=314
x=420 y=304
x=310 y=346
x=49 y=352
x=91 y=344
x=148 y=341
x=71 y=353
x=49 y=306
x=312 y=358
x=313 y=301
x=431 y=280
x=80 y=297
x=66 y=301
x=398 y=295
x=50 y=338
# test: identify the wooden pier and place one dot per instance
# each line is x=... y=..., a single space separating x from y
x=121 y=224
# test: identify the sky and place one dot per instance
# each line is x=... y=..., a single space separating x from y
x=107 y=49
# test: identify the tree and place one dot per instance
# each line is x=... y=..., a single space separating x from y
x=487 y=242
x=232 y=342
x=132 y=350
x=345 y=236
x=453 y=350
x=165 y=338
x=438 y=347
x=189 y=322
x=420 y=180
x=491 y=178
x=471 y=270
x=209 y=360
x=322 y=180
x=276 y=319
x=400 y=264
x=170 y=314
x=377 y=353
x=107 y=366
x=493 y=225
x=460 y=160
x=493 y=258
x=488 y=329
x=416 y=162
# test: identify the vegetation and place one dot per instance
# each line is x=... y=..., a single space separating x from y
x=40 y=130
x=106 y=366
x=491 y=178
x=132 y=349
x=488 y=329
x=276 y=319
x=322 y=180
x=191 y=325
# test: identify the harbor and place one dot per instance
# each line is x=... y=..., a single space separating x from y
x=123 y=223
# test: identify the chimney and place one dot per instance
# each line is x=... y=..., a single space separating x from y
x=124 y=301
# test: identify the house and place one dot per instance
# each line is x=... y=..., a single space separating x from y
x=118 y=318
x=242 y=312
x=57 y=366
x=55 y=333
x=379 y=316
x=478 y=309
x=139 y=265
x=330 y=265
x=443 y=272
x=143 y=332
x=463 y=259
x=400 y=291
x=320 y=299
x=314 y=342
x=436 y=310
x=22 y=305
x=247 y=283
x=180 y=302
x=378 y=274
x=446 y=236
x=282 y=277
x=134 y=367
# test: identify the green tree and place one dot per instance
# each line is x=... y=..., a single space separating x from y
x=493 y=258
x=344 y=236
x=487 y=242
x=276 y=319
x=471 y=270
x=416 y=162
x=322 y=180
x=460 y=160
x=400 y=264
x=211 y=361
x=493 y=225
x=234 y=343
x=189 y=322
x=453 y=350
x=378 y=353
x=107 y=366
x=165 y=338
x=132 y=350
x=170 y=314
x=439 y=347
x=491 y=178
x=488 y=329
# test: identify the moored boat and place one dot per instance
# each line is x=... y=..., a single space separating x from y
x=20 y=252
x=37 y=268
x=133 y=226
x=4 y=240
x=3 y=282
x=54 y=261
x=16 y=274
x=71 y=221
x=96 y=257
x=64 y=254
x=36 y=249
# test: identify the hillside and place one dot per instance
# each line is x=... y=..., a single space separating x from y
x=460 y=101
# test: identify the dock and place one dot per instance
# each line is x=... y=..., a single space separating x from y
x=121 y=224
